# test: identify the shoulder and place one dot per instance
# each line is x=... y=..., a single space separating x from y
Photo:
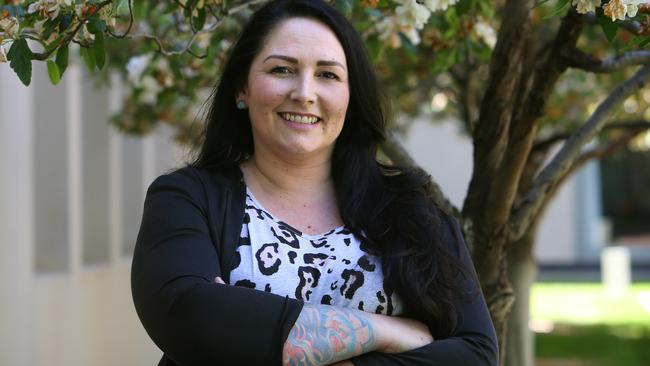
x=194 y=178
x=196 y=182
x=450 y=233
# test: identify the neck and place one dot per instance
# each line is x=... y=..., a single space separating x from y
x=289 y=178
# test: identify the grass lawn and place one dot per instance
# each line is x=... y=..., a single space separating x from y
x=587 y=303
x=585 y=327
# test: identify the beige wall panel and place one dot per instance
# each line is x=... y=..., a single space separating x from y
x=90 y=320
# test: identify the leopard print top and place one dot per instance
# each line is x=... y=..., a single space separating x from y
x=329 y=268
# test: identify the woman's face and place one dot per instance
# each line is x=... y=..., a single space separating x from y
x=297 y=91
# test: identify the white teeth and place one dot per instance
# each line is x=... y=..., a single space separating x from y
x=299 y=119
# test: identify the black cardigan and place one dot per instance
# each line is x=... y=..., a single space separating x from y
x=190 y=228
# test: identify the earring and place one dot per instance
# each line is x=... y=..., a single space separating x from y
x=241 y=104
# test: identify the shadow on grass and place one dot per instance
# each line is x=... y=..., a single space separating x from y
x=594 y=345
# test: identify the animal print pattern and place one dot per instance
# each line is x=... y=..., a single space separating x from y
x=330 y=268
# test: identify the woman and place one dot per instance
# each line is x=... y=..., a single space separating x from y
x=286 y=241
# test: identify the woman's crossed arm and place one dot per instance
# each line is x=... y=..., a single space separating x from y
x=324 y=334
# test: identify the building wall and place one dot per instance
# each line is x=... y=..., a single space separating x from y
x=71 y=190
x=571 y=222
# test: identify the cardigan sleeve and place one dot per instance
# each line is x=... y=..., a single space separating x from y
x=472 y=343
x=193 y=320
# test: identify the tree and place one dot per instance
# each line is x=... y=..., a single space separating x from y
x=551 y=75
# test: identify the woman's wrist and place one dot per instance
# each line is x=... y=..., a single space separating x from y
x=325 y=334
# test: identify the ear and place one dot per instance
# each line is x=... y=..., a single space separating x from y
x=242 y=95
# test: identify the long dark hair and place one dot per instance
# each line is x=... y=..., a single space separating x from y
x=387 y=207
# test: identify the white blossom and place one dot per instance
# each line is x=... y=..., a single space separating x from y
x=409 y=17
x=619 y=9
x=106 y=14
x=136 y=66
x=83 y=35
x=390 y=28
x=3 y=55
x=150 y=90
x=48 y=9
x=632 y=7
x=10 y=26
x=39 y=26
x=189 y=72
x=435 y=5
x=615 y=9
x=410 y=12
x=486 y=33
x=586 y=6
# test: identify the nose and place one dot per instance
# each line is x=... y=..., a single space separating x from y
x=304 y=91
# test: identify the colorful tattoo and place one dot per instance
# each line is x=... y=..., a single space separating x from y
x=325 y=334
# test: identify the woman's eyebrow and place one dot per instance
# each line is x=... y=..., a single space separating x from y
x=295 y=61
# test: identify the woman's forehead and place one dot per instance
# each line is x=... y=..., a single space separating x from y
x=303 y=38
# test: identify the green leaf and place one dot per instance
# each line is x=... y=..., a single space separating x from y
x=99 y=50
x=187 y=8
x=199 y=20
x=66 y=20
x=644 y=42
x=487 y=9
x=20 y=57
x=139 y=9
x=375 y=49
x=559 y=8
x=88 y=55
x=53 y=72
x=609 y=27
x=452 y=18
x=465 y=6
x=96 y=24
x=539 y=3
x=50 y=26
x=62 y=58
x=346 y=7
x=54 y=44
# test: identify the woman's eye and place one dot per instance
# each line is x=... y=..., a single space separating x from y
x=280 y=70
x=330 y=75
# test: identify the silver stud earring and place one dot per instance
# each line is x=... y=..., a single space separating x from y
x=241 y=104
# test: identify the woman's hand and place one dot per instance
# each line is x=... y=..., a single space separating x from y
x=397 y=335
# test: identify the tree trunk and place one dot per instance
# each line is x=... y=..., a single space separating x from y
x=522 y=270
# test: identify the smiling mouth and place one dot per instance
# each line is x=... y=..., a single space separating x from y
x=308 y=120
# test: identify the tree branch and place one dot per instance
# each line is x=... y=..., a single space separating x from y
x=606 y=148
x=396 y=152
x=491 y=132
x=69 y=36
x=128 y=29
x=561 y=136
x=567 y=156
x=206 y=29
x=633 y=129
x=580 y=60
x=632 y=26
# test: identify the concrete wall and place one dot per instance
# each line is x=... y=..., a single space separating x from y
x=71 y=193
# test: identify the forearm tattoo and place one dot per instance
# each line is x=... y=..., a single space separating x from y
x=326 y=334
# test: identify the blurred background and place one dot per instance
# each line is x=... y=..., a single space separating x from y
x=71 y=193
x=524 y=88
